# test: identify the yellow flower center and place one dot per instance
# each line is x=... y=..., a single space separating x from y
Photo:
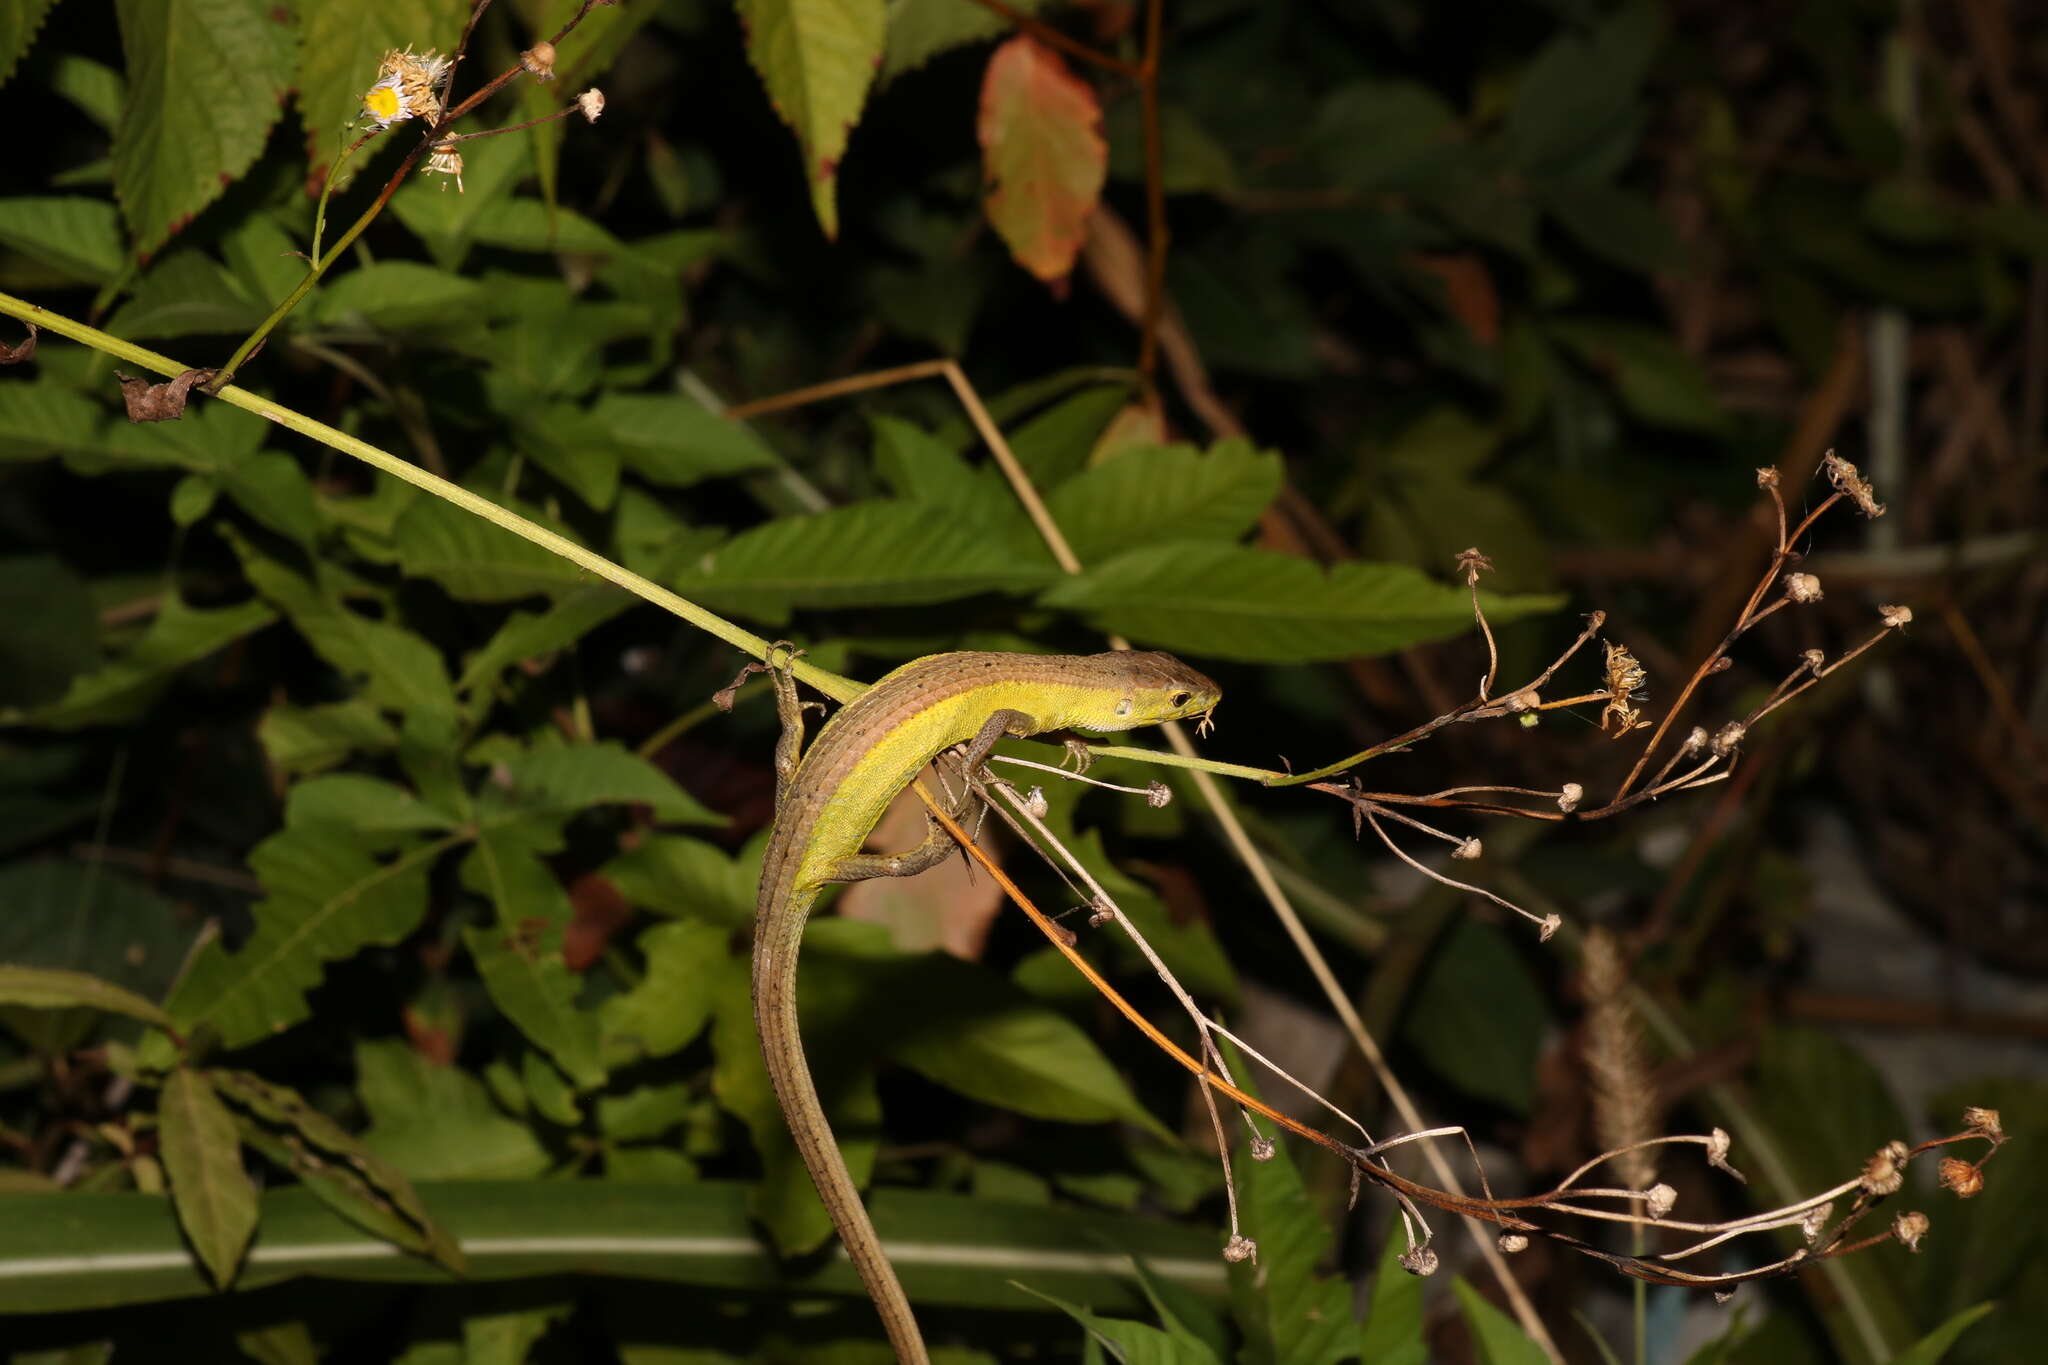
x=382 y=103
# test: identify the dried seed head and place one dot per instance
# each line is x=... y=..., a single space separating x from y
x=1099 y=914
x=1550 y=925
x=1961 y=1178
x=445 y=160
x=1240 y=1248
x=1848 y=481
x=1625 y=678
x=1895 y=617
x=1814 y=659
x=1473 y=564
x=1767 y=477
x=1528 y=699
x=1718 y=1145
x=1802 y=587
x=1723 y=1295
x=591 y=102
x=1468 y=850
x=1512 y=1242
x=1262 y=1147
x=1886 y=1169
x=1696 y=740
x=1985 y=1121
x=539 y=61
x=1727 y=738
x=1909 y=1228
x=1569 y=796
x=1035 y=804
x=1660 y=1199
x=1158 y=794
x=1815 y=1222
x=1419 y=1260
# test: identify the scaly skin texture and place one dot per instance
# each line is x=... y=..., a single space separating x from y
x=828 y=806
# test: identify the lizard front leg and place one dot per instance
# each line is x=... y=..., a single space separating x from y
x=938 y=845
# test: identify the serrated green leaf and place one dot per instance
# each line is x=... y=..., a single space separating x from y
x=50 y=988
x=531 y=225
x=437 y=1122
x=1379 y=135
x=186 y=293
x=40 y=419
x=1054 y=445
x=19 y=24
x=124 y=688
x=77 y=236
x=1489 y=1052
x=396 y=668
x=1230 y=602
x=1161 y=493
x=570 y=779
x=98 y=90
x=364 y=807
x=867 y=554
x=338 y=60
x=520 y=957
x=645 y=1112
x=1569 y=101
x=475 y=560
x=817 y=58
x=337 y=1166
x=446 y=222
x=208 y=439
x=207 y=79
x=529 y=635
x=975 y=1033
x=675 y=440
x=74 y=916
x=672 y=1002
x=398 y=295
x=672 y=874
x=1501 y=1342
x=1290 y=1313
x=326 y=900
x=302 y=740
x=202 y=1155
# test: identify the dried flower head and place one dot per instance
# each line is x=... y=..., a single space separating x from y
x=408 y=86
x=1472 y=564
x=1240 y=1248
x=1625 y=678
x=1695 y=739
x=1909 y=1228
x=1815 y=1222
x=591 y=103
x=1660 y=1199
x=1814 y=659
x=1099 y=914
x=445 y=160
x=1802 y=587
x=1885 y=1172
x=1569 y=796
x=1895 y=617
x=1719 y=1144
x=1468 y=849
x=1262 y=1147
x=539 y=61
x=1528 y=699
x=1960 y=1178
x=1158 y=794
x=1767 y=477
x=1419 y=1260
x=1035 y=804
x=1727 y=738
x=1985 y=1121
x=1512 y=1242
x=1847 y=480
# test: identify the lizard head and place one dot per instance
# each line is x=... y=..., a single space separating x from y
x=1159 y=688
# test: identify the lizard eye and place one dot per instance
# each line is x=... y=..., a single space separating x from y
x=1179 y=699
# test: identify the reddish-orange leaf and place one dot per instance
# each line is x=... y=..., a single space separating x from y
x=1042 y=155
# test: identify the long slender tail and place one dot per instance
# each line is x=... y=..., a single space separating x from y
x=775 y=951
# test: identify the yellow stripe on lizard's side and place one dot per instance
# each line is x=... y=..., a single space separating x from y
x=869 y=751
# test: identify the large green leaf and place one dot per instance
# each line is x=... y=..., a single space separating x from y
x=921 y=29
x=327 y=899
x=40 y=419
x=207 y=79
x=80 y=237
x=76 y=917
x=1656 y=379
x=339 y=58
x=520 y=957
x=54 y=988
x=475 y=560
x=569 y=779
x=123 y=689
x=1930 y=1349
x=1132 y=1343
x=52 y=631
x=336 y=1166
x=202 y=1155
x=398 y=669
x=1393 y=1320
x=672 y=1001
x=1490 y=1053
x=530 y=635
x=1290 y=1312
x=869 y=554
x=1149 y=495
x=70 y=1251
x=817 y=58
x=184 y=293
x=300 y=740
x=1578 y=99
x=437 y=1122
x=1501 y=1342
x=1230 y=602
x=676 y=440
x=19 y=24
